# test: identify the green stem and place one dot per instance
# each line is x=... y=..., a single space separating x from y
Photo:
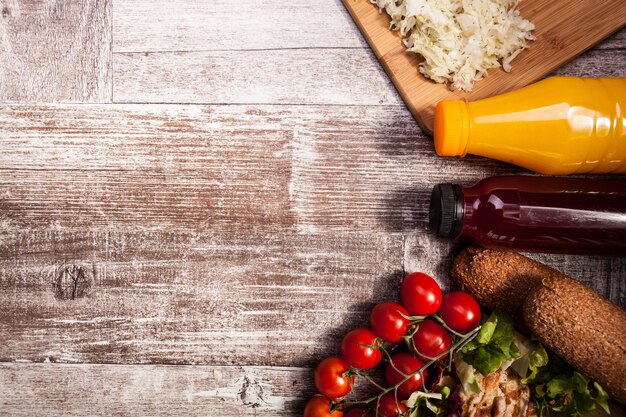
x=443 y=323
x=368 y=379
x=393 y=365
x=412 y=318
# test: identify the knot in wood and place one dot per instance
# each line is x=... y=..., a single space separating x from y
x=72 y=282
x=251 y=393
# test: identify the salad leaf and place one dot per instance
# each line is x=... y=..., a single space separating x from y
x=419 y=396
x=467 y=376
x=435 y=373
x=560 y=384
x=601 y=398
x=493 y=345
x=558 y=390
x=487 y=330
x=444 y=391
x=453 y=407
x=537 y=359
x=420 y=402
x=564 y=392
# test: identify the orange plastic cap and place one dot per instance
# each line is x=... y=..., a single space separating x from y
x=451 y=128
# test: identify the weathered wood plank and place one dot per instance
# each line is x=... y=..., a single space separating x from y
x=34 y=390
x=433 y=255
x=189 y=298
x=189 y=25
x=219 y=168
x=55 y=51
x=290 y=76
x=104 y=390
x=317 y=76
x=597 y=63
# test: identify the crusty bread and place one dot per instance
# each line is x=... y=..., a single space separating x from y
x=498 y=278
x=582 y=327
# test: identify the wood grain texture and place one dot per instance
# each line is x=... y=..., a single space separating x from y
x=597 y=63
x=564 y=29
x=214 y=391
x=189 y=298
x=225 y=235
x=220 y=168
x=207 y=233
x=317 y=76
x=301 y=76
x=55 y=50
x=100 y=390
x=191 y=25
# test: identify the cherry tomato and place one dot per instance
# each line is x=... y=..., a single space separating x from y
x=329 y=379
x=357 y=350
x=319 y=406
x=387 y=321
x=406 y=363
x=460 y=311
x=388 y=407
x=430 y=340
x=420 y=294
x=358 y=412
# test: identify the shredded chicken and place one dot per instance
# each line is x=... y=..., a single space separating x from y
x=502 y=395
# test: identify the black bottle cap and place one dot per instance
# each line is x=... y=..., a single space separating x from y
x=446 y=210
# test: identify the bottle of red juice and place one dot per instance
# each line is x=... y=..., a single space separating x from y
x=540 y=214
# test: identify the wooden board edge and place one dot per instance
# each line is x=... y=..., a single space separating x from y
x=424 y=115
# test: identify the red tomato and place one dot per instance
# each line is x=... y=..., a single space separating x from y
x=388 y=407
x=319 y=406
x=356 y=349
x=329 y=379
x=406 y=363
x=420 y=294
x=460 y=311
x=430 y=340
x=387 y=321
x=358 y=412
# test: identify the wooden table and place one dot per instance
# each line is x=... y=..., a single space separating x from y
x=226 y=187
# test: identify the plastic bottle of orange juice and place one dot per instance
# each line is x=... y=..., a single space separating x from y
x=561 y=125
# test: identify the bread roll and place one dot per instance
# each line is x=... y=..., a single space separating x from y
x=585 y=329
x=498 y=278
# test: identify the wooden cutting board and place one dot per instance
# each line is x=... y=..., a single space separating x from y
x=564 y=29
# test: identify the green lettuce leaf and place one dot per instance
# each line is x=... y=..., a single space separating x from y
x=493 y=345
x=558 y=390
x=565 y=392
x=560 y=384
x=467 y=376
x=601 y=397
x=421 y=402
x=537 y=359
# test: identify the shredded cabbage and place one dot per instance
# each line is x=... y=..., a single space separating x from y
x=460 y=39
x=467 y=376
